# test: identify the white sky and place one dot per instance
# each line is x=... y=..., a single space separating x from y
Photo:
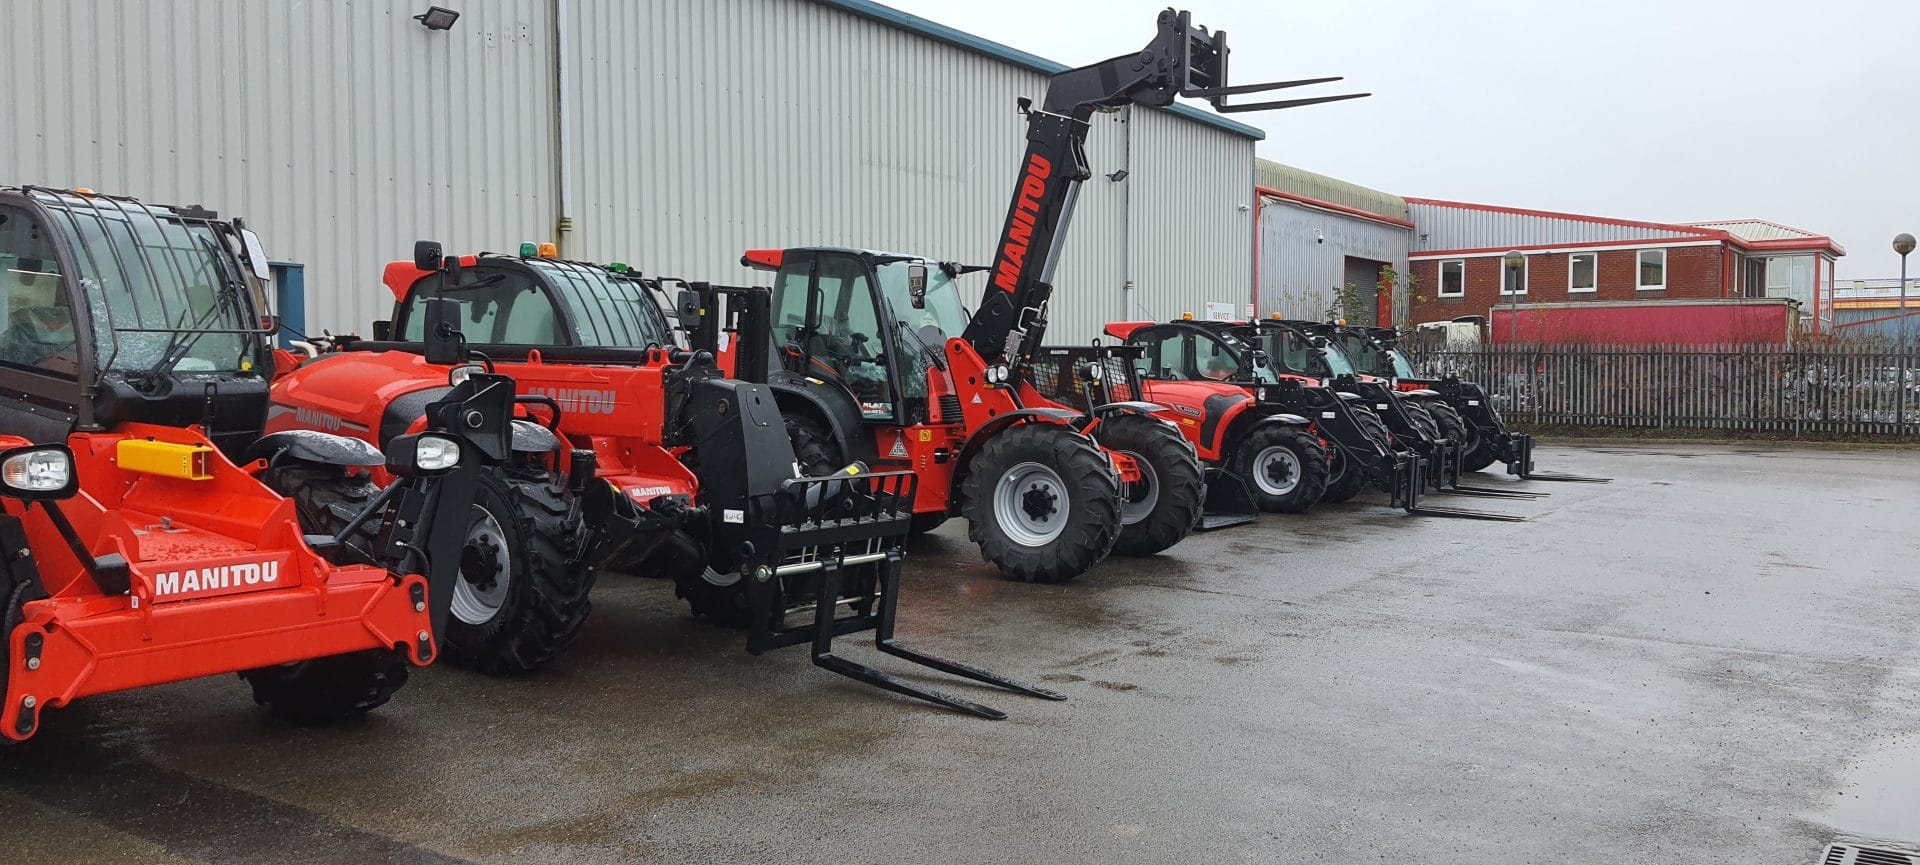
x=1666 y=110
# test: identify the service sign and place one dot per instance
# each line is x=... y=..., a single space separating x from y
x=212 y=578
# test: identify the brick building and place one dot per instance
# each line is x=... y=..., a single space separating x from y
x=1457 y=251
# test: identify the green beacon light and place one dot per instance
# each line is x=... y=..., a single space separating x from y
x=617 y=267
x=529 y=249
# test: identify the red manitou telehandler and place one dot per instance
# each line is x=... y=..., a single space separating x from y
x=151 y=531
x=1265 y=404
x=638 y=455
x=879 y=360
x=1461 y=410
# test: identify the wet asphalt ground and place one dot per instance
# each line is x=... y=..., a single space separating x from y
x=1715 y=658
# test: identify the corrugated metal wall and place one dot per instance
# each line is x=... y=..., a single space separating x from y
x=1191 y=191
x=341 y=131
x=1442 y=227
x=699 y=128
x=1300 y=272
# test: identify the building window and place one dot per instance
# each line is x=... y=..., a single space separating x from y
x=1507 y=281
x=1653 y=270
x=1582 y=270
x=1453 y=278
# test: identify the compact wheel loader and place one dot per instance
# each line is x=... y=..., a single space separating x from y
x=149 y=531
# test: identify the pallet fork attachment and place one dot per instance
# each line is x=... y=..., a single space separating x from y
x=1409 y=489
x=837 y=541
x=1521 y=466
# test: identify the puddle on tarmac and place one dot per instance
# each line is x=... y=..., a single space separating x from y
x=1879 y=796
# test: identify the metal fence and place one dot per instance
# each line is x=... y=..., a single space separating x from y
x=1776 y=389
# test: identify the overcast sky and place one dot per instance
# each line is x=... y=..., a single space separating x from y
x=1801 y=113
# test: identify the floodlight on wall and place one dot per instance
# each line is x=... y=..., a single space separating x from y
x=1118 y=175
x=437 y=18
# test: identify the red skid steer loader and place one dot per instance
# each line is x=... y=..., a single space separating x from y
x=149 y=530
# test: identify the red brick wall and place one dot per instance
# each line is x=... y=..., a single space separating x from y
x=1692 y=272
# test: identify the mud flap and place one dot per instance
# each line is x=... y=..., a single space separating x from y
x=1228 y=503
x=827 y=543
x=1521 y=447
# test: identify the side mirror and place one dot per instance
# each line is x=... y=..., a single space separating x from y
x=427 y=255
x=256 y=255
x=382 y=330
x=1259 y=359
x=687 y=306
x=1318 y=342
x=441 y=336
x=917 y=284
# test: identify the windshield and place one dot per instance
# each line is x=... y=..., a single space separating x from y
x=943 y=317
x=1225 y=358
x=1367 y=355
x=1402 y=368
x=1296 y=354
x=509 y=307
x=145 y=275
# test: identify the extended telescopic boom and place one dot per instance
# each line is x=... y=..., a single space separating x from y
x=1182 y=60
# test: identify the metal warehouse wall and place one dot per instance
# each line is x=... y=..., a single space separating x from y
x=711 y=126
x=1442 y=228
x=695 y=129
x=1299 y=275
x=341 y=131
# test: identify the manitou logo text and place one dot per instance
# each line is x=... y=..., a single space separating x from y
x=213 y=579
x=317 y=419
x=1026 y=210
x=579 y=400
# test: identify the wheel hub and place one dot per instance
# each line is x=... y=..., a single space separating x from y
x=1030 y=504
x=486 y=571
x=1276 y=471
x=1139 y=498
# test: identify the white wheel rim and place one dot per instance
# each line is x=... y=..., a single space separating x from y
x=1139 y=498
x=482 y=589
x=1276 y=471
x=1030 y=504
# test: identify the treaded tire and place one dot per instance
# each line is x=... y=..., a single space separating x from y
x=1479 y=453
x=1351 y=481
x=330 y=689
x=1453 y=428
x=1169 y=466
x=1309 y=454
x=324 y=497
x=546 y=603
x=1091 y=507
x=1421 y=419
x=725 y=606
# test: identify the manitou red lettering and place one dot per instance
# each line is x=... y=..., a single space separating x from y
x=1026 y=213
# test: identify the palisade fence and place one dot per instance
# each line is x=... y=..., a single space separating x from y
x=1783 y=390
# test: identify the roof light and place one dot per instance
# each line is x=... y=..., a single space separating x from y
x=549 y=250
x=617 y=266
x=529 y=249
x=84 y=191
x=1186 y=316
x=1274 y=315
x=1341 y=322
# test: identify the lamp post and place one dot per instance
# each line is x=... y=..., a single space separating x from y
x=1514 y=261
x=1903 y=244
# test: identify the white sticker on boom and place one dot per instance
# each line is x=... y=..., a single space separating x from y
x=733 y=515
x=1326 y=414
x=1473 y=402
x=1381 y=406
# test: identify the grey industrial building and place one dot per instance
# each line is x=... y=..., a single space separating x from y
x=669 y=134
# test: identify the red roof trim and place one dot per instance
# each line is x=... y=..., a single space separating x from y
x=1328 y=205
x=1634 y=243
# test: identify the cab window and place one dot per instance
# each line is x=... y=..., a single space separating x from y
x=844 y=334
x=37 y=331
x=510 y=310
x=1163 y=357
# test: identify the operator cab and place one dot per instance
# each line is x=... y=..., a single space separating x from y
x=1199 y=351
x=118 y=311
x=855 y=318
x=1373 y=354
x=521 y=303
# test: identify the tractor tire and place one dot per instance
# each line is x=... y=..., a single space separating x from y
x=1351 y=481
x=324 y=497
x=1286 y=468
x=1452 y=427
x=1042 y=502
x=1161 y=508
x=1421 y=419
x=330 y=689
x=515 y=536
